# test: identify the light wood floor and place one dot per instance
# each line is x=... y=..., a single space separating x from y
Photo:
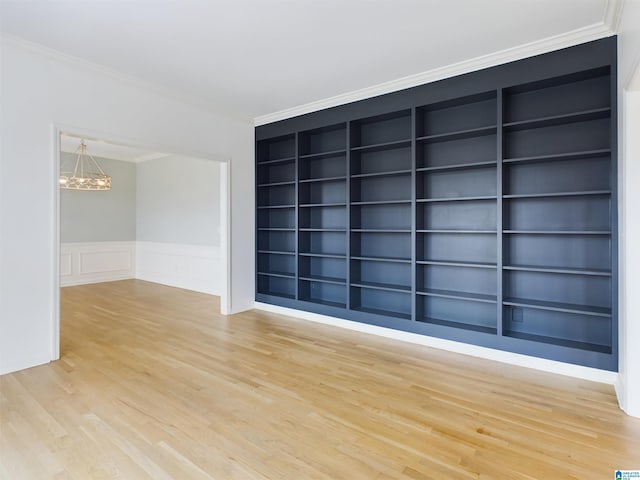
x=152 y=384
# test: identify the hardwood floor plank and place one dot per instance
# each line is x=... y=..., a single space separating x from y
x=153 y=383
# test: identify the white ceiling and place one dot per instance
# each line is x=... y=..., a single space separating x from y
x=255 y=57
x=99 y=148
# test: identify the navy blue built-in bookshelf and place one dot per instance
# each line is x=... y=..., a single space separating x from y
x=480 y=208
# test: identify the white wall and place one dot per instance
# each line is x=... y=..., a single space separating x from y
x=39 y=91
x=178 y=223
x=178 y=201
x=628 y=386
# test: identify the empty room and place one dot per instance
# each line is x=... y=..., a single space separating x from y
x=319 y=239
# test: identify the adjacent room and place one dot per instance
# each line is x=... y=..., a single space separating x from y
x=273 y=239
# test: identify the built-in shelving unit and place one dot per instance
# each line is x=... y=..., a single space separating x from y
x=456 y=201
x=480 y=209
x=322 y=234
x=276 y=203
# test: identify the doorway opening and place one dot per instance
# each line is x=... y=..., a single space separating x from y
x=165 y=220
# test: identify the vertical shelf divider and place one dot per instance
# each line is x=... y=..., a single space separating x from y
x=414 y=213
x=613 y=221
x=297 y=217
x=348 y=215
x=499 y=214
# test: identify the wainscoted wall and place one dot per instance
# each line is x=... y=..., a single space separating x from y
x=192 y=267
x=94 y=262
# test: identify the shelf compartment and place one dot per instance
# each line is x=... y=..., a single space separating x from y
x=316 y=205
x=325 y=166
x=454 y=294
x=276 y=149
x=588 y=90
x=321 y=255
x=328 y=192
x=391 y=127
x=451 y=184
x=274 y=263
x=383 y=275
x=381 y=217
x=277 y=286
x=323 y=269
x=579 y=176
x=382 y=259
x=277 y=241
x=280 y=172
x=382 y=286
x=323 y=155
x=275 y=184
x=381 y=189
x=454 y=152
x=383 y=174
x=558 y=139
x=466 y=114
x=382 y=202
x=276 y=252
x=468 y=282
x=566 y=329
x=457 y=216
x=324 y=243
x=328 y=217
x=457 y=199
x=276 y=196
x=323 y=293
x=581 y=193
x=558 y=307
x=585 y=154
x=475 y=248
x=323 y=179
x=271 y=207
x=585 y=294
x=381 y=302
x=459 y=166
x=557 y=232
x=580 y=116
x=548 y=269
x=458 y=135
x=397 y=145
x=319 y=278
x=277 y=218
x=381 y=244
x=589 y=213
x=323 y=140
x=277 y=274
x=453 y=263
x=457 y=313
x=563 y=252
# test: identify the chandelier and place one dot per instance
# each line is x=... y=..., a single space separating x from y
x=86 y=173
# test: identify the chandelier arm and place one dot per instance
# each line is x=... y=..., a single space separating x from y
x=96 y=165
x=78 y=164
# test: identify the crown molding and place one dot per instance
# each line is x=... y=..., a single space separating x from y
x=557 y=42
x=613 y=14
x=130 y=80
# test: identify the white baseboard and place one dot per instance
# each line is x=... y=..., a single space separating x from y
x=24 y=362
x=192 y=267
x=93 y=262
x=576 y=371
